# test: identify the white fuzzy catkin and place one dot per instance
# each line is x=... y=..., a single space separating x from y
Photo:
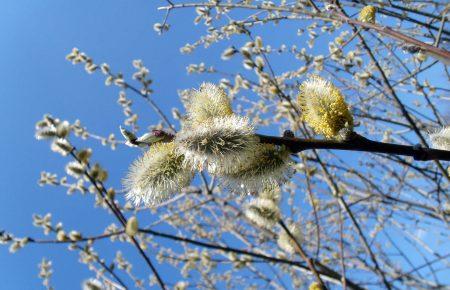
x=285 y=242
x=219 y=143
x=266 y=166
x=61 y=146
x=75 y=169
x=46 y=133
x=263 y=212
x=93 y=284
x=270 y=191
x=157 y=175
x=441 y=139
x=210 y=101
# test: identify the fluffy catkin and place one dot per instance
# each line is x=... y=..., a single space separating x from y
x=367 y=14
x=158 y=174
x=266 y=166
x=210 y=101
x=285 y=242
x=219 y=143
x=263 y=212
x=324 y=107
x=441 y=139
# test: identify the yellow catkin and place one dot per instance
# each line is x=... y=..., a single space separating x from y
x=315 y=286
x=367 y=14
x=324 y=107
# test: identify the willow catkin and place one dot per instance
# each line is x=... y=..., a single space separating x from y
x=263 y=212
x=324 y=107
x=441 y=139
x=157 y=175
x=266 y=166
x=219 y=143
x=210 y=101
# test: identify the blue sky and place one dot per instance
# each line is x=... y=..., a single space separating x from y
x=36 y=79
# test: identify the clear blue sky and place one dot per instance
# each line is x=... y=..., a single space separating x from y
x=36 y=79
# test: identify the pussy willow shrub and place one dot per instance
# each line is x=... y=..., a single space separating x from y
x=215 y=207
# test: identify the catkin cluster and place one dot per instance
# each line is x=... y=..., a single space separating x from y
x=225 y=144
x=215 y=139
x=212 y=138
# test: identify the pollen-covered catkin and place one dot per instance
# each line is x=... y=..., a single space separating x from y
x=324 y=107
x=367 y=14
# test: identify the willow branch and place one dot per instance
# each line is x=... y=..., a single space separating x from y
x=384 y=30
x=101 y=262
x=113 y=207
x=358 y=143
x=325 y=272
x=303 y=254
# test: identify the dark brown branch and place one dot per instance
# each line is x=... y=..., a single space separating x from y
x=358 y=143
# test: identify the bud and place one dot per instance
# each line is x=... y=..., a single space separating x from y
x=111 y=193
x=84 y=155
x=61 y=146
x=228 y=53
x=132 y=226
x=264 y=213
x=63 y=129
x=73 y=54
x=46 y=133
x=109 y=80
x=75 y=169
x=285 y=242
x=93 y=284
x=104 y=67
x=61 y=236
x=98 y=173
x=75 y=236
x=248 y=64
